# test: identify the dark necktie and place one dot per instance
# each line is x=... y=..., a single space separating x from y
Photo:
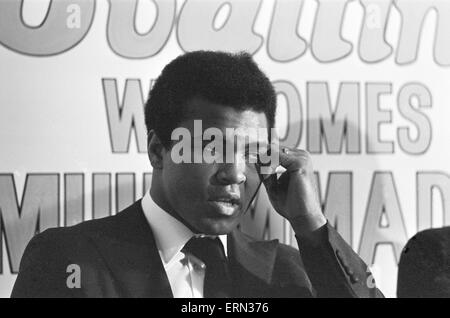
x=210 y=251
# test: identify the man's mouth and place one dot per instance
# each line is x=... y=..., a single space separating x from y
x=225 y=205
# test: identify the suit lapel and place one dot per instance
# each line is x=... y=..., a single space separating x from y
x=252 y=264
x=129 y=250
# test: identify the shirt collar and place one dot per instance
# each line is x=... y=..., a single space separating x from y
x=170 y=234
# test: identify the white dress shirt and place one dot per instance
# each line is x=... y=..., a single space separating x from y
x=186 y=273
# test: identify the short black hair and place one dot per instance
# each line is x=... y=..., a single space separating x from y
x=224 y=78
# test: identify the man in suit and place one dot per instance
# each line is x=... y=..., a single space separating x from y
x=181 y=239
x=424 y=268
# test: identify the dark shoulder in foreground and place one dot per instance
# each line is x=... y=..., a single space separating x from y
x=423 y=268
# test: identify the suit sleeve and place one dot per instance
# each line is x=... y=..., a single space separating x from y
x=42 y=269
x=333 y=268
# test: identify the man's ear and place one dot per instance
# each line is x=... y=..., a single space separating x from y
x=155 y=150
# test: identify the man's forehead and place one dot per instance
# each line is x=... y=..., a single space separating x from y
x=222 y=116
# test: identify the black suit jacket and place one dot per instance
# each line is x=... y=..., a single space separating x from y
x=424 y=268
x=117 y=257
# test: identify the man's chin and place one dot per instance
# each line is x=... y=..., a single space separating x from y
x=217 y=227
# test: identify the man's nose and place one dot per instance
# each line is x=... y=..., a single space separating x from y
x=231 y=173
